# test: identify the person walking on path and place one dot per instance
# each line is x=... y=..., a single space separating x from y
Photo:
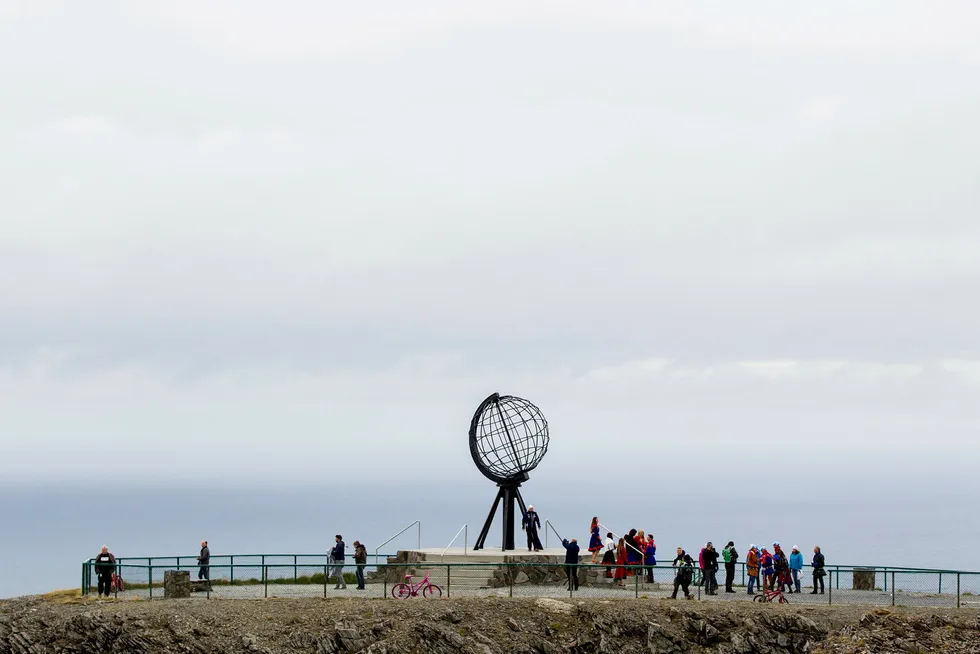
x=203 y=560
x=818 y=570
x=360 y=559
x=571 y=561
x=531 y=523
x=710 y=568
x=685 y=570
x=730 y=555
x=337 y=556
x=796 y=567
x=595 y=540
x=105 y=567
x=752 y=567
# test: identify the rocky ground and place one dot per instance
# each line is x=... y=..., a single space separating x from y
x=62 y=623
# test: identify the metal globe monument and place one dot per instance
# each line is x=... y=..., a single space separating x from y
x=508 y=439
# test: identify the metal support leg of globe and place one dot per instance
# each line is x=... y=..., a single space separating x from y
x=508 y=493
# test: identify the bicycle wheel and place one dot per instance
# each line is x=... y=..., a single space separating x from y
x=431 y=591
x=401 y=591
x=783 y=600
x=760 y=598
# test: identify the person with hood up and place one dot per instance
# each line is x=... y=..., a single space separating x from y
x=765 y=561
x=752 y=567
x=685 y=571
x=796 y=567
x=730 y=555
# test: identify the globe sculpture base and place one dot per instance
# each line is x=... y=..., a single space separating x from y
x=509 y=492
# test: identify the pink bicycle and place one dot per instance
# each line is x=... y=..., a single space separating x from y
x=408 y=589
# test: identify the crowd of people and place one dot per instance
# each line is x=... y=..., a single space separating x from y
x=635 y=554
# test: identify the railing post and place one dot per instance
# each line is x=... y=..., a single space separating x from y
x=231 y=572
x=149 y=574
x=265 y=578
x=636 y=583
x=510 y=575
x=84 y=589
x=294 y=569
x=957 y=590
x=885 y=575
x=940 y=583
x=325 y=582
x=830 y=586
x=893 y=586
x=178 y=563
x=449 y=584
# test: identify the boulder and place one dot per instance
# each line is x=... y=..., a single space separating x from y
x=176 y=584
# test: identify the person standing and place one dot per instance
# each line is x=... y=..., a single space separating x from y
x=337 y=556
x=203 y=560
x=752 y=567
x=360 y=559
x=796 y=567
x=781 y=566
x=765 y=560
x=650 y=556
x=685 y=570
x=620 y=575
x=571 y=561
x=105 y=567
x=595 y=540
x=531 y=523
x=730 y=555
x=818 y=570
x=710 y=569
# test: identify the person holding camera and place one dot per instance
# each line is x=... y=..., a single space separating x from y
x=337 y=557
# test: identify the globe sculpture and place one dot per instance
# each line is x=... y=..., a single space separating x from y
x=508 y=439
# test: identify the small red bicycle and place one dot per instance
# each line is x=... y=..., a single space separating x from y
x=771 y=596
x=408 y=589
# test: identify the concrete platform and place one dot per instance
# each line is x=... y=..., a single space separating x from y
x=459 y=555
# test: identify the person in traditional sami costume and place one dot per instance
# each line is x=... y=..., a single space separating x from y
x=595 y=541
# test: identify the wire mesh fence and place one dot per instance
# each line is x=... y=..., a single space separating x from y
x=282 y=576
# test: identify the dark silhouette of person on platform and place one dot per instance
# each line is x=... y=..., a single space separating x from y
x=531 y=523
x=571 y=561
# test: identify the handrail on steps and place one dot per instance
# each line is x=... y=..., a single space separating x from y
x=462 y=530
x=615 y=535
x=417 y=522
x=547 y=524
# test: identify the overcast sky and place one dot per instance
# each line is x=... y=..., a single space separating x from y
x=255 y=236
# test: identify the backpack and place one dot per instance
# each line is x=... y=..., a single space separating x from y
x=118 y=585
x=726 y=554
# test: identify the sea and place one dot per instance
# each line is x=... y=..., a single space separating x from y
x=868 y=517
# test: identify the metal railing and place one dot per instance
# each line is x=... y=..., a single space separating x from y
x=547 y=526
x=856 y=585
x=462 y=530
x=417 y=522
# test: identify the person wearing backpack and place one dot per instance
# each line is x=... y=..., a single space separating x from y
x=684 y=573
x=730 y=556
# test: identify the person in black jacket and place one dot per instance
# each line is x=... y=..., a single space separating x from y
x=105 y=566
x=337 y=556
x=710 y=569
x=730 y=554
x=571 y=561
x=203 y=559
x=684 y=573
x=531 y=523
x=818 y=570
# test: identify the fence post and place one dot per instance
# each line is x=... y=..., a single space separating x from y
x=263 y=569
x=149 y=574
x=830 y=586
x=569 y=578
x=885 y=575
x=449 y=585
x=893 y=586
x=510 y=575
x=325 y=582
x=294 y=569
x=231 y=573
x=940 y=583
x=265 y=582
x=178 y=563
x=957 y=590
x=743 y=574
x=838 y=576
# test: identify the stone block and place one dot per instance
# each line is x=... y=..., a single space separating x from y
x=176 y=583
x=864 y=579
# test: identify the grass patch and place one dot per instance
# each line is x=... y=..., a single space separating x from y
x=67 y=596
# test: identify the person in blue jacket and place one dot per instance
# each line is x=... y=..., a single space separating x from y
x=796 y=566
x=571 y=561
x=337 y=557
x=650 y=556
